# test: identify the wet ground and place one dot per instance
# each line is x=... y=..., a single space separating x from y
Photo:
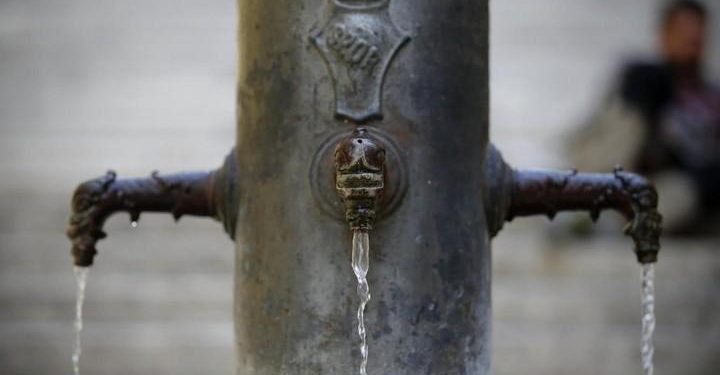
x=138 y=85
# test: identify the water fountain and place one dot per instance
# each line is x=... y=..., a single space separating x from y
x=372 y=114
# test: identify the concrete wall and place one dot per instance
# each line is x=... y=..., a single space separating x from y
x=139 y=85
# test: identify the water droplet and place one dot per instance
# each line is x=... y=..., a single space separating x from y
x=134 y=224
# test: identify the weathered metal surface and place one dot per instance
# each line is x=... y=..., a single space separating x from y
x=497 y=191
x=322 y=176
x=544 y=192
x=430 y=264
x=358 y=43
x=226 y=194
x=94 y=201
x=360 y=178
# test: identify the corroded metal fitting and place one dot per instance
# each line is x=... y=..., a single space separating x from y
x=359 y=177
x=207 y=194
x=545 y=192
x=645 y=227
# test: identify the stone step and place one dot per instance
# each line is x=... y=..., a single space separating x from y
x=150 y=347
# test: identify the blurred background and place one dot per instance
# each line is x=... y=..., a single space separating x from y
x=133 y=85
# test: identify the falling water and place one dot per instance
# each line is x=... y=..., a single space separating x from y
x=81 y=274
x=648 y=318
x=360 y=265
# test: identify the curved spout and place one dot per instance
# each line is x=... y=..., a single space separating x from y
x=196 y=194
x=546 y=192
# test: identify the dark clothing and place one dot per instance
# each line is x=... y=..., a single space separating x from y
x=649 y=89
x=682 y=116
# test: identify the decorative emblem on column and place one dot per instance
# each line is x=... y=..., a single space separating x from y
x=358 y=43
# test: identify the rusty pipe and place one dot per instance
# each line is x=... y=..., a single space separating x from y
x=514 y=193
x=547 y=192
x=196 y=194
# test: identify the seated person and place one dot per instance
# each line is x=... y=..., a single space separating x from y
x=663 y=120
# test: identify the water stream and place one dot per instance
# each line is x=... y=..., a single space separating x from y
x=360 y=266
x=81 y=274
x=647 y=348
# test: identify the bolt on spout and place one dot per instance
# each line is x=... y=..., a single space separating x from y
x=359 y=178
x=546 y=192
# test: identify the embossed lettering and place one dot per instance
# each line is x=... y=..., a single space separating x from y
x=358 y=43
x=352 y=48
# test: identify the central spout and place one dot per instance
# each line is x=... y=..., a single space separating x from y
x=359 y=178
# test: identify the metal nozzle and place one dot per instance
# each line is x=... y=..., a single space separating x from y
x=359 y=179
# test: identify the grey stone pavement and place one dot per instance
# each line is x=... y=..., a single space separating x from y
x=132 y=85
